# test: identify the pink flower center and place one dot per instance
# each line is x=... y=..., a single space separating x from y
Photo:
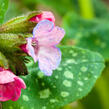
x=35 y=45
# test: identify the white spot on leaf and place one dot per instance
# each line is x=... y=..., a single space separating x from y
x=71 y=61
x=68 y=74
x=67 y=83
x=40 y=75
x=83 y=69
x=54 y=86
x=80 y=89
x=25 y=97
x=64 y=94
x=59 y=69
x=80 y=83
x=44 y=93
x=21 y=107
x=53 y=100
x=74 y=54
x=86 y=78
x=71 y=51
x=44 y=107
x=56 y=76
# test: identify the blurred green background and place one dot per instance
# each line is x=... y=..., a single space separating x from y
x=87 y=25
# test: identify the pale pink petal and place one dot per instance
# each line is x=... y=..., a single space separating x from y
x=52 y=38
x=31 y=49
x=47 y=34
x=45 y=15
x=49 y=59
x=42 y=27
x=6 y=76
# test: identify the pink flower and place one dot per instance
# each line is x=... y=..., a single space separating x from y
x=42 y=46
x=45 y=15
x=10 y=85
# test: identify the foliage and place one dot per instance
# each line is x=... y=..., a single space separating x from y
x=73 y=80
x=3 y=8
x=90 y=34
x=79 y=69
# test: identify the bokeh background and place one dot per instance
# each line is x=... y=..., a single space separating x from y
x=87 y=26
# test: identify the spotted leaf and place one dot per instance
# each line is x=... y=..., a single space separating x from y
x=73 y=80
x=101 y=93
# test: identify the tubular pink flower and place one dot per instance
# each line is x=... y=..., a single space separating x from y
x=42 y=46
x=10 y=85
x=45 y=15
x=23 y=48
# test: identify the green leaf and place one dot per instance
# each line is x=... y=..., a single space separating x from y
x=3 y=8
x=90 y=34
x=90 y=101
x=100 y=93
x=73 y=80
x=103 y=12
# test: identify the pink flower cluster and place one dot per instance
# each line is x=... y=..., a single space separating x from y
x=42 y=46
x=10 y=85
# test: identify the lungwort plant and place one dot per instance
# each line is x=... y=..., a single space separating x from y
x=51 y=75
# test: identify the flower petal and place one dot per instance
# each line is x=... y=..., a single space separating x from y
x=10 y=85
x=31 y=49
x=42 y=27
x=6 y=76
x=23 y=48
x=12 y=90
x=47 y=34
x=20 y=83
x=49 y=59
x=17 y=94
x=6 y=91
x=45 y=15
